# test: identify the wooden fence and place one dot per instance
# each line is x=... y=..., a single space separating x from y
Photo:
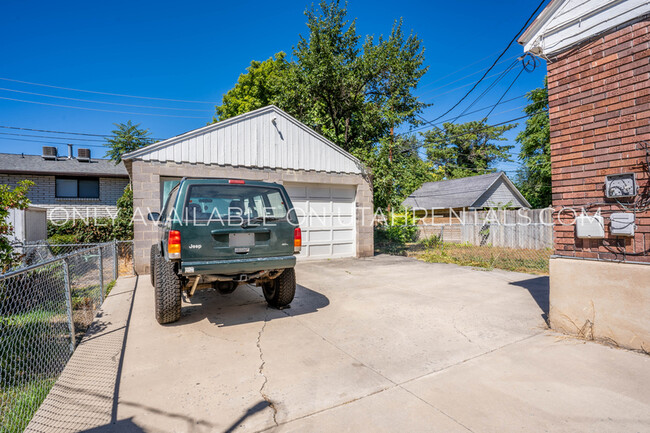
x=520 y=228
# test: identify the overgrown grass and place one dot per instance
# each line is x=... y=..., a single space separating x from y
x=487 y=257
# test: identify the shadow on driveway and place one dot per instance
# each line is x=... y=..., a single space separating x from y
x=539 y=290
x=244 y=305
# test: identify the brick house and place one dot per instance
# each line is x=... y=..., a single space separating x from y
x=598 y=60
x=81 y=187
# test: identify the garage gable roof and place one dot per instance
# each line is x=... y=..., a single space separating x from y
x=264 y=138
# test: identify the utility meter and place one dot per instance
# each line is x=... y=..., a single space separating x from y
x=620 y=185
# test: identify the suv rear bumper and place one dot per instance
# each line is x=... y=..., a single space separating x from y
x=236 y=266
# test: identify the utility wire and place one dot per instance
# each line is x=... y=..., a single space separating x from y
x=483 y=128
x=48 y=142
x=63 y=132
x=504 y=93
x=51 y=137
x=467 y=76
x=101 y=102
x=494 y=63
x=99 y=109
x=105 y=93
x=488 y=89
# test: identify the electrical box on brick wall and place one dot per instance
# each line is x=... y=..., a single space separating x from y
x=622 y=224
x=620 y=185
x=590 y=227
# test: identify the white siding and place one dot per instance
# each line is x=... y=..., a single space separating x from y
x=574 y=21
x=253 y=140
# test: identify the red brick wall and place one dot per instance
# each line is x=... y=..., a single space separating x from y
x=599 y=104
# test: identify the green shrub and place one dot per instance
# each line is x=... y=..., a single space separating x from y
x=431 y=242
x=399 y=228
x=95 y=230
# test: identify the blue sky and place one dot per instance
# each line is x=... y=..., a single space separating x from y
x=195 y=51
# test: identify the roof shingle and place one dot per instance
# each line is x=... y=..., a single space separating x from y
x=35 y=164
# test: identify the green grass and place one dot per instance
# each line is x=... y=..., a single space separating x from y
x=488 y=257
x=110 y=286
x=19 y=404
x=33 y=349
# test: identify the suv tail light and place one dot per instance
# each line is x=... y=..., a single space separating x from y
x=297 y=239
x=174 y=244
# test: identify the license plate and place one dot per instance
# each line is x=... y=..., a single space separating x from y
x=241 y=240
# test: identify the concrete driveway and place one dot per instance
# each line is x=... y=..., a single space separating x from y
x=381 y=344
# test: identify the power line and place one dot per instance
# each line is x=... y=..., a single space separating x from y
x=51 y=137
x=484 y=128
x=105 y=93
x=494 y=63
x=489 y=88
x=100 y=102
x=99 y=109
x=466 y=76
x=504 y=93
x=431 y=98
x=63 y=132
x=48 y=142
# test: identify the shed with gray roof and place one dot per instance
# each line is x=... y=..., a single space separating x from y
x=476 y=192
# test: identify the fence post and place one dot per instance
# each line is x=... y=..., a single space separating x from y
x=101 y=276
x=68 y=301
x=114 y=259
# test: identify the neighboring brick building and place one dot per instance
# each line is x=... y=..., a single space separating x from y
x=67 y=187
x=599 y=106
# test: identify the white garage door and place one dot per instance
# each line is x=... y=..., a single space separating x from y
x=327 y=219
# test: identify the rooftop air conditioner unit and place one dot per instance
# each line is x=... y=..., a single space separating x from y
x=83 y=155
x=49 y=153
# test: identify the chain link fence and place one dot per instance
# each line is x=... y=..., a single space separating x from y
x=512 y=248
x=45 y=309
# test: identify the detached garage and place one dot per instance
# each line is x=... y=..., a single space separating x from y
x=327 y=185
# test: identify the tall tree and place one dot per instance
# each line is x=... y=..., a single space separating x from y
x=256 y=88
x=534 y=179
x=466 y=149
x=126 y=138
x=351 y=90
x=397 y=177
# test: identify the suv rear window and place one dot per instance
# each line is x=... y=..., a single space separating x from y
x=223 y=202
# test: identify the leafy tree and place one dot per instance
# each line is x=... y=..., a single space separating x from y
x=123 y=223
x=350 y=91
x=534 y=179
x=397 y=177
x=466 y=149
x=15 y=198
x=126 y=138
x=257 y=88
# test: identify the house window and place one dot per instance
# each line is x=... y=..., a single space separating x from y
x=77 y=187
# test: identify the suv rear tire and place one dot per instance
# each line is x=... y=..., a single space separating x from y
x=152 y=263
x=281 y=290
x=167 y=288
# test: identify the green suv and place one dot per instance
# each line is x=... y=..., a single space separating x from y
x=221 y=233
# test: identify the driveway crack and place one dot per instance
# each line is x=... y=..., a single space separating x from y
x=261 y=370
